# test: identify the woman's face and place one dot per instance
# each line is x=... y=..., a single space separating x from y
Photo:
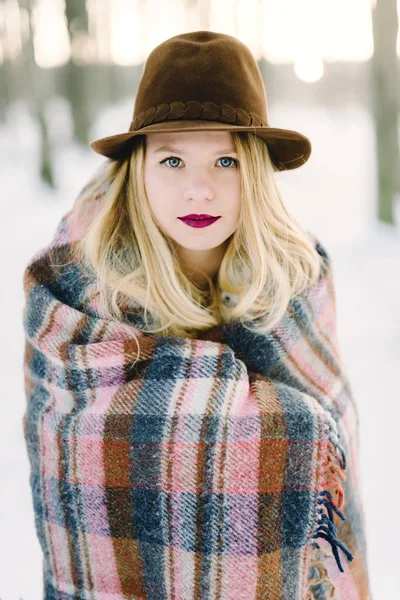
x=194 y=172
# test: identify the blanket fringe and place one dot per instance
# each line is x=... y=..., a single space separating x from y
x=323 y=576
x=324 y=527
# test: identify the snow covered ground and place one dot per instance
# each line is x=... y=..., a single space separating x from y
x=334 y=195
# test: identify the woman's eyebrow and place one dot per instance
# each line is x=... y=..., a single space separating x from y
x=170 y=149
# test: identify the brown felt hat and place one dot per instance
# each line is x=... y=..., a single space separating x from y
x=208 y=81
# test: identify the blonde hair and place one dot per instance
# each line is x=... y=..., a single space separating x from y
x=269 y=259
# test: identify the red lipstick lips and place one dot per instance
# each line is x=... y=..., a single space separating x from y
x=202 y=220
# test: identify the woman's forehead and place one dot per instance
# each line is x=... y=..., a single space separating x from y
x=213 y=141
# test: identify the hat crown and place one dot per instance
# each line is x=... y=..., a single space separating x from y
x=201 y=74
x=205 y=81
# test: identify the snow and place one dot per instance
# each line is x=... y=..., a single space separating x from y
x=333 y=195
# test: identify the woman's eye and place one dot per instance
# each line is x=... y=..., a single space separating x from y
x=170 y=158
x=166 y=160
x=229 y=158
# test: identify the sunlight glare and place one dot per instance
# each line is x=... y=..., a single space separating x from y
x=309 y=34
x=128 y=31
x=340 y=30
x=51 y=41
x=11 y=30
x=309 y=67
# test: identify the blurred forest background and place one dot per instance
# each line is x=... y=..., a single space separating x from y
x=90 y=54
x=69 y=71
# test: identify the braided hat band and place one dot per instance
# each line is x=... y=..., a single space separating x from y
x=205 y=81
x=195 y=110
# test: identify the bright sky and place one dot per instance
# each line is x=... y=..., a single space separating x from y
x=306 y=33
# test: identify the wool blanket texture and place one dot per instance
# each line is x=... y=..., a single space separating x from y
x=224 y=467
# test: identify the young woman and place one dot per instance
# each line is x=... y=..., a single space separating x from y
x=245 y=243
x=190 y=424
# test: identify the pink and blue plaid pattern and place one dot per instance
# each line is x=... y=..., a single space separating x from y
x=219 y=468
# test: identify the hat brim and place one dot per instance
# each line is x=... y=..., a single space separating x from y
x=288 y=149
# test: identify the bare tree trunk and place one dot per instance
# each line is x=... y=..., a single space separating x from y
x=36 y=94
x=385 y=101
x=4 y=69
x=5 y=77
x=77 y=87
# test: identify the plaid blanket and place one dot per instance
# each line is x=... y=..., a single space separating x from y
x=224 y=467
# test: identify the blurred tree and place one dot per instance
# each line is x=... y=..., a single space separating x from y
x=4 y=68
x=36 y=94
x=76 y=74
x=385 y=101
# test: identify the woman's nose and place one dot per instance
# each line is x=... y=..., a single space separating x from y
x=199 y=187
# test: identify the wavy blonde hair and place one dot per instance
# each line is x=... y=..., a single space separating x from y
x=269 y=259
